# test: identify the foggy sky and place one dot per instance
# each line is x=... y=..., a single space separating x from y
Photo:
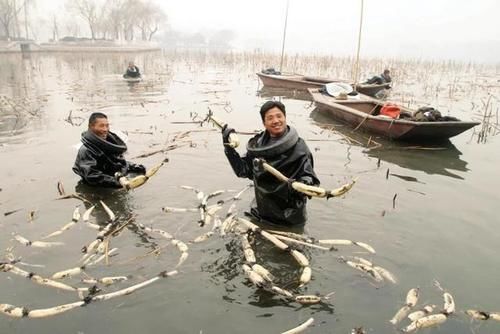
x=430 y=29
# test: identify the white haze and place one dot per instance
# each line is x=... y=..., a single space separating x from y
x=437 y=29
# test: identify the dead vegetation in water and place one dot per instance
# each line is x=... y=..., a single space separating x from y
x=488 y=116
x=16 y=112
x=449 y=86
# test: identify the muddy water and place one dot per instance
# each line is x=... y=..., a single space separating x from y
x=442 y=224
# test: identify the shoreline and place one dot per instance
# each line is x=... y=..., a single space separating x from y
x=31 y=47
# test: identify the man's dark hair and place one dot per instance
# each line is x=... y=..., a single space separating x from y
x=95 y=115
x=270 y=105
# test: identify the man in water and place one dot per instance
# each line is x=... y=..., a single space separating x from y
x=132 y=71
x=280 y=146
x=384 y=78
x=100 y=161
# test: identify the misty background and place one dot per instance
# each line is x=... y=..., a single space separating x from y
x=439 y=29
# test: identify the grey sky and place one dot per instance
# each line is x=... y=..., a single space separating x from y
x=440 y=29
x=410 y=28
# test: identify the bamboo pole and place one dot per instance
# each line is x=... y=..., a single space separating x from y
x=356 y=68
x=234 y=141
x=284 y=36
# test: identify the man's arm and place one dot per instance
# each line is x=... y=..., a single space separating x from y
x=308 y=176
x=86 y=167
x=242 y=167
x=306 y=173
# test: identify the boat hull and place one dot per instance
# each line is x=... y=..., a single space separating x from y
x=300 y=82
x=358 y=115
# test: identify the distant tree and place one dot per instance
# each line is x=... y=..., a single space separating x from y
x=72 y=28
x=149 y=19
x=27 y=5
x=8 y=16
x=55 y=29
x=131 y=8
x=115 y=17
x=89 y=10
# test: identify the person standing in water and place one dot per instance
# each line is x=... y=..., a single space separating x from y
x=100 y=160
x=132 y=71
x=279 y=145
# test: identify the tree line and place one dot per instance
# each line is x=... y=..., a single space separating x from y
x=111 y=19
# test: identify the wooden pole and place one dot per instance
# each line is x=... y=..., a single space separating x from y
x=356 y=66
x=284 y=36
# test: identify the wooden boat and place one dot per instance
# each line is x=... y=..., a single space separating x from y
x=364 y=114
x=439 y=158
x=301 y=82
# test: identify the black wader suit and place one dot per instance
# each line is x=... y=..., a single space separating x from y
x=98 y=160
x=132 y=72
x=276 y=202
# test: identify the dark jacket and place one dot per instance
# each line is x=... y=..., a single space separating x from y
x=98 y=160
x=379 y=79
x=132 y=72
x=275 y=201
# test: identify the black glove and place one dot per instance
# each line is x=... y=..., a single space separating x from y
x=258 y=164
x=138 y=169
x=118 y=175
x=291 y=190
x=226 y=131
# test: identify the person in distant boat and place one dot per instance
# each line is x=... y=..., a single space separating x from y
x=100 y=160
x=384 y=78
x=279 y=145
x=132 y=71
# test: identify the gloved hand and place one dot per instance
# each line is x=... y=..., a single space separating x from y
x=122 y=180
x=258 y=164
x=290 y=187
x=291 y=190
x=138 y=169
x=226 y=131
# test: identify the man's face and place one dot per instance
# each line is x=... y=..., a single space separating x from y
x=275 y=122
x=100 y=128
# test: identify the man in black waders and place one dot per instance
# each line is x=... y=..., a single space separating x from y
x=281 y=147
x=100 y=161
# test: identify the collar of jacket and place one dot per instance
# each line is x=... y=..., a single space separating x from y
x=112 y=145
x=259 y=145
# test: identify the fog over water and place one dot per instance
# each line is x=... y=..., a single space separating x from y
x=441 y=29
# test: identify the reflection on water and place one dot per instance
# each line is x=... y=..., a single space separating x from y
x=286 y=94
x=442 y=161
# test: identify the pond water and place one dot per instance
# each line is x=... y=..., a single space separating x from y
x=442 y=225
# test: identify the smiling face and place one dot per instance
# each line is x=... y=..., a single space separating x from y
x=275 y=122
x=100 y=127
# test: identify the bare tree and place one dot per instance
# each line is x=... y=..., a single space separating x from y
x=150 y=18
x=115 y=17
x=55 y=29
x=89 y=10
x=72 y=28
x=8 y=16
x=130 y=10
